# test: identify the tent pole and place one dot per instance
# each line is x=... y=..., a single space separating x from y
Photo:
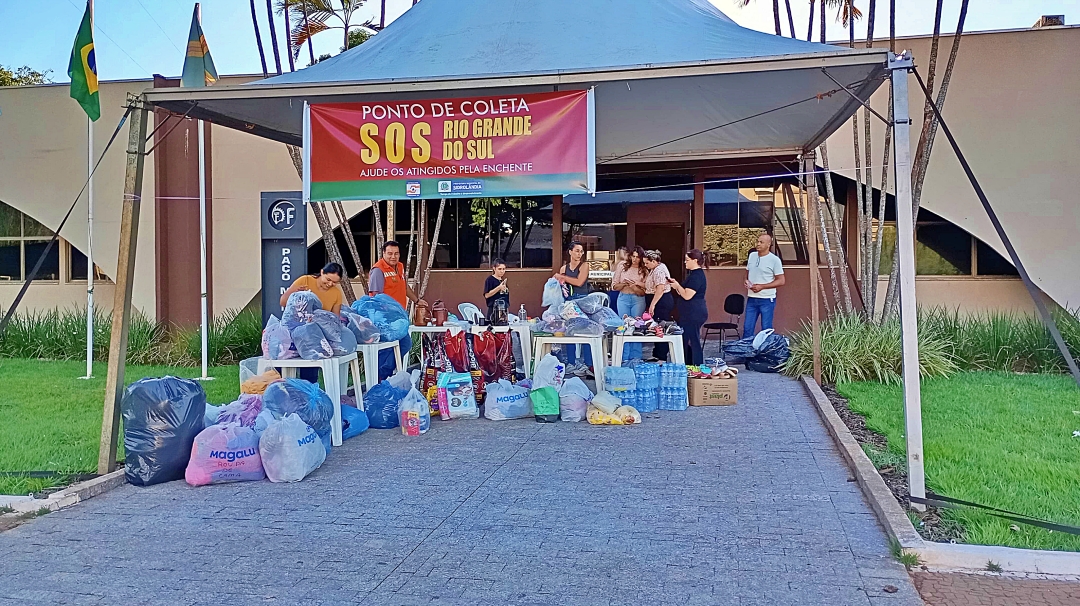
x=89 y=249
x=125 y=275
x=203 y=312
x=900 y=65
x=809 y=162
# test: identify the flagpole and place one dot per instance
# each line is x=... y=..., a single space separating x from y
x=90 y=231
x=202 y=248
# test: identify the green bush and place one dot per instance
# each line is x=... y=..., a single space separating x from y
x=61 y=335
x=855 y=350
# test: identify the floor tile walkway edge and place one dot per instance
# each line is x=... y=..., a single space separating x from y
x=76 y=493
x=891 y=515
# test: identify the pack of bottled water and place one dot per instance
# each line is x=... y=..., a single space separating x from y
x=647 y=388
x=673 y=394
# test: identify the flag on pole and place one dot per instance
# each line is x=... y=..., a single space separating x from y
x=82 y=68
x=198 y=65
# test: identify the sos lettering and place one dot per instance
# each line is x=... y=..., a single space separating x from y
x=394 y=140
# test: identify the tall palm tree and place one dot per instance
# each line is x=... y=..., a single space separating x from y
x=322 y=15
x=273 y=36
x=258 y=38
x=775 y=11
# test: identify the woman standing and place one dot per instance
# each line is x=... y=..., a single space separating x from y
x=495 y=288
x=693 y=312
x=574 y=277
x=657 y=288
x=629 y=281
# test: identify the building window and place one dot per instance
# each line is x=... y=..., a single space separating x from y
x=601 y=230
x=736 y=214
x=76 y=266
x=476 y=231
x=22 y=241
x=944 y=249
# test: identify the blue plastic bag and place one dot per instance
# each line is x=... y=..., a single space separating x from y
x=311 y=342
x=330 y=324
x=362 y=328
x=387 y=314
x=353 y=422
x=305 y=399
x=553 y=296
x=300 y=308
x=381 y=405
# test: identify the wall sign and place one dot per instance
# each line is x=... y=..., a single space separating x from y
x=501 y=145
x=284 y=246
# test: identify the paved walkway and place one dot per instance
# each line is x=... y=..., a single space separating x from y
x=742 y=505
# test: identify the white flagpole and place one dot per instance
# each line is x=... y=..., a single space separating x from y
x=90 y=233
x=202 y=247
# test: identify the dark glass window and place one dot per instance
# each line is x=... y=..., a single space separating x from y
x=50 y=267
x=990 y=263
x=536 y=233
x=446 y=251
x=10 y=260
x=942 y=249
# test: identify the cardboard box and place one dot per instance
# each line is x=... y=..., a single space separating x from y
x=714 y=392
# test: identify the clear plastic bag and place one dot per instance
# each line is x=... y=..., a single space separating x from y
x=606 y=402
x=224 y=453
x=362 y=328
x=570 y=310
x=348 y=343
x=583 y=327
x=620 y=378
x=549 y=372
x=606 y=317
x=161 y=419
x=311 y=343
x=387 y=314
x=331 y=327
x=243 y=411
x=290 y=450
x=304 y=399
x=249 y=367
x=552 y=293
x=414 y=415
x=257 y=384
x=507 y=401
x=594 y=302
x=300 y=308
x=574 y=398
x=277 y=343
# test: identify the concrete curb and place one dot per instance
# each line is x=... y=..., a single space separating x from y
x=60 y=499
x=898 y=525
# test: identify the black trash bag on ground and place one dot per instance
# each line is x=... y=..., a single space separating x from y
x=161 y=419
x=737 y=352
x=770 y=354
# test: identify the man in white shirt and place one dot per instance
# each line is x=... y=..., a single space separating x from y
x=764 y=273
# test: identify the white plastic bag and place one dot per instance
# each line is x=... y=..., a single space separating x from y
x=574 y=398
x=290 y=449
x=591 y=303
x=549 y=373
x=505 y=400
x=414 y=415
x=606 y=402
x=400 y=380
x=552 y=293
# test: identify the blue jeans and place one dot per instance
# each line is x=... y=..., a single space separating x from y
x=631 y=305
x=387 y=363
x=571 y=350
x=758 y=307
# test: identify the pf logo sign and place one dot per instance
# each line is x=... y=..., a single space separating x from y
x=282 y=215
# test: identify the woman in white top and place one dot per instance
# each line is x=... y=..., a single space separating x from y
x=661 y=303
x=629 y=281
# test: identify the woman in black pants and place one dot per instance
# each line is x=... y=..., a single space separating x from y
x=693 y=312
x=657 y=288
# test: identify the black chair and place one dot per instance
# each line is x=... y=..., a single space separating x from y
x=734 y=306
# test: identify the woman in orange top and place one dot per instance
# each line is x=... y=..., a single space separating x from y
x=326 y=286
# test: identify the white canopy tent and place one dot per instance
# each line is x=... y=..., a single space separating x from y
x=674 y=80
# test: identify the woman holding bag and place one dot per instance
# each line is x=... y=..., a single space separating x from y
x=629 y=281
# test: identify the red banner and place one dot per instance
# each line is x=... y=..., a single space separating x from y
x=505 y=145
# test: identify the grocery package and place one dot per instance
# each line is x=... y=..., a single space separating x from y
x=570 y=310
x=353 y=422
x=414 y=416
x=583 y=327
x=381 y=403
x=257 y=384
x=332 y=328
x=545 y=403
x=224 y=453
x=552 y=293
x=606 y=402
x=387 y=314
x=161 y=419
x=243 y=411
x=300 y=309
x=276 y=341
x=574 y=400
x=362 y=328
x=549 y=372
x=594 y=302
x=623 y=415
x=619 y=379
x=311 y=342
x=456 y=397
x=304 y=399
x=507 y=401
x=290 y=450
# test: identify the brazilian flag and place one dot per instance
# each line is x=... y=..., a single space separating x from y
x=83 y=68
x=198 y=64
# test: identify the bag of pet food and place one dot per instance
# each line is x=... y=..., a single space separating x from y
x=225 y=453
x=456 y=397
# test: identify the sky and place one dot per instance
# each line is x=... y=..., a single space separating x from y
x=138 y=38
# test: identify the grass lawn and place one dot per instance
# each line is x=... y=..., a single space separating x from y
x=1002 y=440
x=50 y=420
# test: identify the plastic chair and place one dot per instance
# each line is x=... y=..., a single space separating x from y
x=734 y=306
x=470 y=312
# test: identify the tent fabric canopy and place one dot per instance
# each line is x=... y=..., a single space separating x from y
x=674 y=79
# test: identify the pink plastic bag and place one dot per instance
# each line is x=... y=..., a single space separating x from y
x=224 y=453
x=243 y=411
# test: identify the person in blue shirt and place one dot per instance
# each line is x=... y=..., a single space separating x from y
x=693 y=311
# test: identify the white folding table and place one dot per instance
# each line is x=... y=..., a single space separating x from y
x=331 y=371
x=675 y=350
x=596 y=345
x=370 y=352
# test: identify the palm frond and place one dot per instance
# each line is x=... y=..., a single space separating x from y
x=301 y=34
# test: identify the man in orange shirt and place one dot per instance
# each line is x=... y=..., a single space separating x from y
x=388 y=276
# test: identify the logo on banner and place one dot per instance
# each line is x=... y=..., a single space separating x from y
x=444 y=187
x=282 y=215
x=412 y=189
x=471 y=186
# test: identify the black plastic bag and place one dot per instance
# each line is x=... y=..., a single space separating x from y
x=161 y=419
